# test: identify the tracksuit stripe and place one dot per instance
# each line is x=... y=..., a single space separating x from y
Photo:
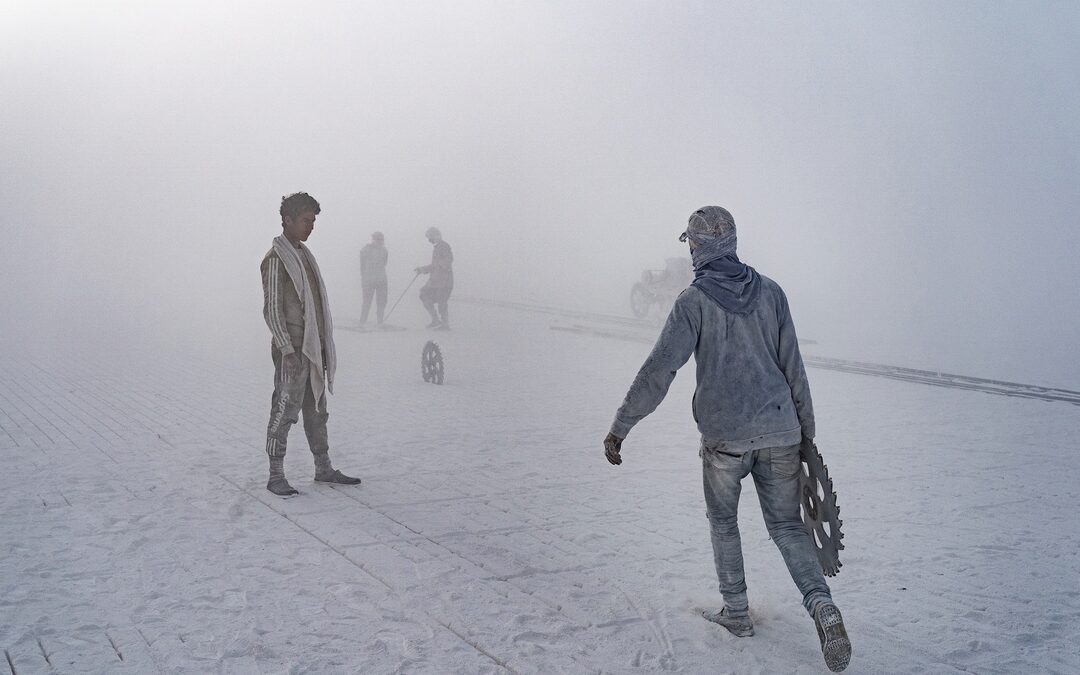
x=275 y=304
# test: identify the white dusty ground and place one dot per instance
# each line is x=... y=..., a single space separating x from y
x=489 y=534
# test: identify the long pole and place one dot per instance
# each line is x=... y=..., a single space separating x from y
x=401 y=296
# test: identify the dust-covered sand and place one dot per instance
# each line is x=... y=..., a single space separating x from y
x=490 y=534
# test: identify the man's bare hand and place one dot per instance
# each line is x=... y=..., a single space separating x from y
x=290 y=363
x=612 y=447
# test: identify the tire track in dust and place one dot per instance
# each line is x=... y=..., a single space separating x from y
x=649 y=620
x=901 y=373
x=932 y=378
x=477 y=647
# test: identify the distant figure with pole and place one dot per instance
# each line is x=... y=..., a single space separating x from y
x=435 y=294
x=373 y=259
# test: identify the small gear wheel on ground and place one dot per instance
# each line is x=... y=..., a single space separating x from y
x=431 y=363
x=820 y=513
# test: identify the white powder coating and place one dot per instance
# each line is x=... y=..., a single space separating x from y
x=490 y=535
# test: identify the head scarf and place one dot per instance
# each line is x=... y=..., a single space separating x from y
x=718 y=272
x=712 y=230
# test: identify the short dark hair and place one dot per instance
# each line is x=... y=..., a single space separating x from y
x=297 y=203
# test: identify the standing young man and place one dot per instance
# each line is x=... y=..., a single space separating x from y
x=297 y=312
x=753 y=409
x=436 y=292
x=373 y=259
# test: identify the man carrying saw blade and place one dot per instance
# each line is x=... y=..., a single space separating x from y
x=753 y=409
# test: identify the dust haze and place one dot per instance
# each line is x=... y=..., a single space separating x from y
x=907 y=171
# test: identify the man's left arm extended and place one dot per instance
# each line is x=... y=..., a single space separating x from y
x=672 y=350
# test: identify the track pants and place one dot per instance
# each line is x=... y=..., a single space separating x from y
x=291 y=396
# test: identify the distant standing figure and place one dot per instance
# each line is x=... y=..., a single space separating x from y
x=436 y=292
x=753 y=409
x=373 y=258
x=297 y=312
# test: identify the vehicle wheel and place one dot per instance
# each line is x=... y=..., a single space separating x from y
x=640 y=299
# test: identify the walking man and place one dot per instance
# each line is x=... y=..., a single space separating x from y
x=753 y=409
x=436 y=292
x=297 y=312
x=373 y=258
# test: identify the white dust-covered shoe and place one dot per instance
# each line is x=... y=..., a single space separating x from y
x=739 y=626
x=835 y=645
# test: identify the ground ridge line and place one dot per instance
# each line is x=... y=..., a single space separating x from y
x=477 y=647
x=313 y=536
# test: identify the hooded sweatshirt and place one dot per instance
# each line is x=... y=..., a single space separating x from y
x=752 y=390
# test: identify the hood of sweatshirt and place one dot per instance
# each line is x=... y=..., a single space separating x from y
x=730 y=283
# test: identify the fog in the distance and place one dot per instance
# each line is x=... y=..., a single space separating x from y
x=907 y=171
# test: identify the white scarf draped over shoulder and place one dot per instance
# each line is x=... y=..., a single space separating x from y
x=313 y=346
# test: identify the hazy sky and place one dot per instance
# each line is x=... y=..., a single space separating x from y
x=907 y=171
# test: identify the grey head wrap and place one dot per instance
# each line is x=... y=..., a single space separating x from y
x=712 y=229
x=718 y=272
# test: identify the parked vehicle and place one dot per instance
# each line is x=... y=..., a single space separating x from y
x=657 y=290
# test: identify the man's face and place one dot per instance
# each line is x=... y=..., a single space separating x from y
x=298 y=228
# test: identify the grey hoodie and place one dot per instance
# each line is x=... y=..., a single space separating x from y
x=751 y=385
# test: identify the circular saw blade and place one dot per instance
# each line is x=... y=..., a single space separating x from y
x=820 y=513
x=431 y=363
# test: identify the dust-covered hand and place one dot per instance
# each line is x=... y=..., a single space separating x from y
x=612 y=447
x=291 y=364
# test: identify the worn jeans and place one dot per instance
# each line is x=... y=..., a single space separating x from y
x=776 y=475
x=291 y=396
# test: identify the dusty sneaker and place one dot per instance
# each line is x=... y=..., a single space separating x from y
x=835 y=646
x=739 y=626
x=335 y=476
x=281 y=487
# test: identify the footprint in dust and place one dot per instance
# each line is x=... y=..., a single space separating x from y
x=236 y=511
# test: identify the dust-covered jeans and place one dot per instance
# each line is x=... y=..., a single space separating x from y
x=776 y=475
x=291 y=396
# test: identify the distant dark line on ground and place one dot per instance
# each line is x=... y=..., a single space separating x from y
x=608 y=329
